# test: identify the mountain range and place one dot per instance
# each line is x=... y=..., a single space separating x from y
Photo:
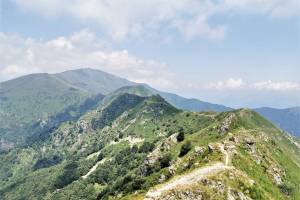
x=86 y=134
x=136 y=147
x=39 y=102
x=287 y=119
x=35 y=104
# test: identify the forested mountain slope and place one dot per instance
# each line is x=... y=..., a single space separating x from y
x=31 y=106
x=137 y=147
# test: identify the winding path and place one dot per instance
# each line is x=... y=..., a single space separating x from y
x=94 y=168
x=187 y=179
x=190 y=178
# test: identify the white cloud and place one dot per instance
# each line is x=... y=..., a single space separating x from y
x=238 y=84
x=230 y=83
x=277 y=86
x=273 y=8
x=121 y=18
x=21 y=56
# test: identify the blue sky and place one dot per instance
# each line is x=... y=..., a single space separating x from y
x=238 y=53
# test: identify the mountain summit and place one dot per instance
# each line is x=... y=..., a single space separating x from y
x=142 y=147
x=34 y=104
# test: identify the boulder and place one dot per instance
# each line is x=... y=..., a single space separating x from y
x=199 y=150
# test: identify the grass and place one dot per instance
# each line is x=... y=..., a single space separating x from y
x=153 y=120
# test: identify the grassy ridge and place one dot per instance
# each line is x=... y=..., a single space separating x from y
x=136 y=145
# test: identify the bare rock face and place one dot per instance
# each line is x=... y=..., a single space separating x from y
x=277 y=174
x=183 y=195
x=232 y=195
x=172 y=170
x=249 y=141
x=82 y=126
x=199 y=150
x=152 y=157
x=232 y=139
x=249 y=144
x=217 y=186
x=242 y=196
x=226 y=123
x=210 y=148
x=168 y=142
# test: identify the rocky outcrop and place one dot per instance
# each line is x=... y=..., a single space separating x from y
x=224 y=127
x=82 y=126
x=199 y=150
x=183 y=195
x=277 y=174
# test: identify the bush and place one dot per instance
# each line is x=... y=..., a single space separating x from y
x=137 y=183
x=180 y=136
x=165 y=160
x=69 y=175
x=47 y=162
x=185 y=148
x=146 y=147
x=180 y=130
x=286 y=188
x=100 y=156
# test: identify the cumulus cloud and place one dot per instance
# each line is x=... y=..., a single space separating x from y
x=121 y=18
x=230 y=83
x=21 y=56
x=238 y=83
x=277 y=86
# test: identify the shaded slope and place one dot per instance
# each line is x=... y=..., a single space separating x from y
x=175 y=100
x=31 y=99
x=33 y=104
x=287 y=119
x=36 y=103
x=192 y=104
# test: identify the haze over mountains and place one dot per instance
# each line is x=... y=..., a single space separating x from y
x=86 y=134
x=197 y=100
x=129 y=146
x=37 y=103
x=287 y=119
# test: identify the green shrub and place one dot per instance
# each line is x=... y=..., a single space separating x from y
x=180 y=136
x=165 y=160
x=185 y=148
x=100 y=156
x=146 y=147
x=286 y=188
x=47 y=162
x=68 y=176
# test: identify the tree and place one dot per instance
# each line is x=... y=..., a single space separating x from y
x=69 y=175
x=185 y=148
x=180 y=136
x=146 y=147
x=165 y=160
x=100 y=156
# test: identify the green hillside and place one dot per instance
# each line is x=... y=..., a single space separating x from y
x=34 y=99
x=144 y=148
x=34 y=105
x=175 y=100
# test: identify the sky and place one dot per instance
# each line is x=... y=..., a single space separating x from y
x=239 y=53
